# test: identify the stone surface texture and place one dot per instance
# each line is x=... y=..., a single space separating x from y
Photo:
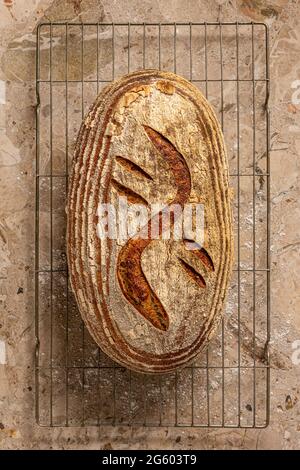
x=18 y=20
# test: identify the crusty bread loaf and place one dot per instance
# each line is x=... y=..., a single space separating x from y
x=150 y=304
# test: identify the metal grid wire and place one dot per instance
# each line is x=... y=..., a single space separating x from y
x=228 y=385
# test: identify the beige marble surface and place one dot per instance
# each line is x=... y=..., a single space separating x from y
x=18 y=20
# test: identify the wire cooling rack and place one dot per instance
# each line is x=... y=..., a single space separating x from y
x=229 y=384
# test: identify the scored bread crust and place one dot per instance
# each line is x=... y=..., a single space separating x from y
x=92 y=160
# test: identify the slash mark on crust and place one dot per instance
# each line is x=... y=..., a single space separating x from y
x=132 y=280
x=200 y=253
x=193 y=273
x=131 y=195
x=133 y=167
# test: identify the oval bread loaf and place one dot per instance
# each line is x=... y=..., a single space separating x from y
x=150 y=300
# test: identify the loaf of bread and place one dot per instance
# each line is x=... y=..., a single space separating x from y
x=151 y=300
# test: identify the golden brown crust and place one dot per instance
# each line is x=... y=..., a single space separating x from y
x=142 y=337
